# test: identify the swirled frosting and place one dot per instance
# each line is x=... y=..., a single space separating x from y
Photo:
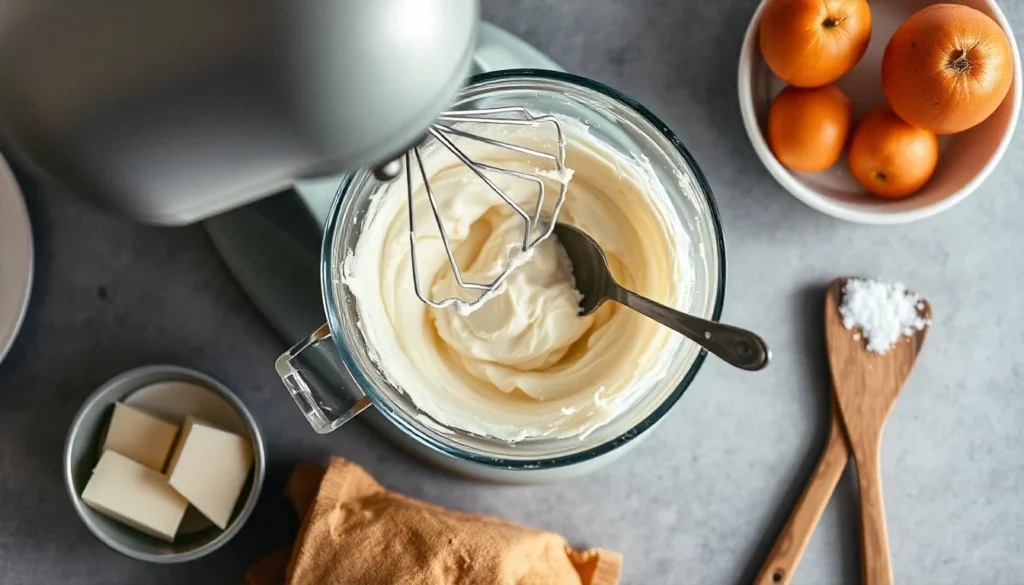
x=524 y=364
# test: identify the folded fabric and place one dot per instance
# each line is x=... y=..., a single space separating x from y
x=356 y=531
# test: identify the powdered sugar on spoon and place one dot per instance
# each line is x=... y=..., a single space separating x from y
x=882 y=311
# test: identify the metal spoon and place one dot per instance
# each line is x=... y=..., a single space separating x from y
x=736 y=346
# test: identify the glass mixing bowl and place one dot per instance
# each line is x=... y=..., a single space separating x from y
x=331 y=375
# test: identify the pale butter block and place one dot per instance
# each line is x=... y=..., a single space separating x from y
x=135 y=495
x=209 y=468
x=139 y=436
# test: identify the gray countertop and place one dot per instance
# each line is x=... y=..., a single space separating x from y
x=702 y=498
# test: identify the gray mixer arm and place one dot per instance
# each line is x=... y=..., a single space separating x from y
x=171 y=111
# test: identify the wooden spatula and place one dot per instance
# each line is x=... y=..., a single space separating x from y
x=781 y=563
x=866 y=386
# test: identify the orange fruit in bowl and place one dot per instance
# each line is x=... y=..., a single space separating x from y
x=810 y=43
x=947 y=68
x=889 y=157
x=807 y=128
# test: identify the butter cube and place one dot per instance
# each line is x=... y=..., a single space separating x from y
x=139 y=436
x=135 y=495
x=209 y=468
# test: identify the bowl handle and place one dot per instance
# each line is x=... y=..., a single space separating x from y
x=316 y=380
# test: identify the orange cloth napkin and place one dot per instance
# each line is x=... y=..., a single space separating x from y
x=356 y=531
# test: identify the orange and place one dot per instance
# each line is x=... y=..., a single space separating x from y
x=947 y=68
x=810 y=43
x=807 y=128
x=889 y=157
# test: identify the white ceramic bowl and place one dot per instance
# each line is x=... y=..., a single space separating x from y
x=965 y=159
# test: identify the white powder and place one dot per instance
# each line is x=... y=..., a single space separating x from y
x=884 y=312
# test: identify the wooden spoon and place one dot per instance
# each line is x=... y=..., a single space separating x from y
x=866 y=386
x=781 y=563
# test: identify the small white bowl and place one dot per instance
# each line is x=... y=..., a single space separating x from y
x=965 y=159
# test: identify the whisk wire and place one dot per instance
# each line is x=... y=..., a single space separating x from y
x=475 y=167
x=443 y=134
x=492 y=142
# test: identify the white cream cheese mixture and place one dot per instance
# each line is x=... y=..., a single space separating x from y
x=524 y=364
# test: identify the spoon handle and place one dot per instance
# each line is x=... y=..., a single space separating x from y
x=736 y=346
x=789 y=547
x=876 y=567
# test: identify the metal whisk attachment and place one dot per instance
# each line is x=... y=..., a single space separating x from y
x=444 y=132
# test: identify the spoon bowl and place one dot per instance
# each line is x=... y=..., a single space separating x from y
x=589 y=268
x=738 y=347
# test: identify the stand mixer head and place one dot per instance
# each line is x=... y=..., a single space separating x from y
x=172 y=111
